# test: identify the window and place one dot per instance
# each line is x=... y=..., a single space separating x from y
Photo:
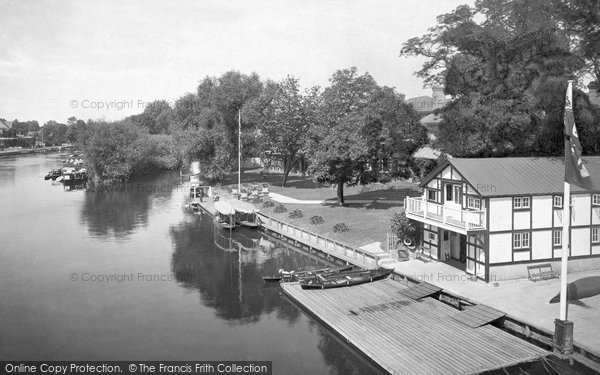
x=557 y=238
x=596 y=199
x=558 y=201
x=449 y=193
x=595 y=234
x=457 y=190
x=432 y=236
x=431 y=195
x=521 y=240
x=474 y=203
x=521 y=202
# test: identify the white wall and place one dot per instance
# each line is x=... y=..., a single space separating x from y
x=595 y=215
x=500 y=211
x=522 y=219
x=541 y=244
x=541 y=207
x=580 y=241
x=447 y=173
x=580 y=212
x=521 y=255
x=500 y=247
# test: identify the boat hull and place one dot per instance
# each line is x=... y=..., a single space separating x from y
x=583 y=288
x=346 y=279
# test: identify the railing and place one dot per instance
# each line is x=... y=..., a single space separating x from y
x=334 y=248
x=465 y=219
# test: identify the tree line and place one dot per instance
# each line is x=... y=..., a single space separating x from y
x=347 y=133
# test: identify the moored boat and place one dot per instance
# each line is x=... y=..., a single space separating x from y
x=53 y=174
x=306 y=274
x=345 y=279
x=224 y=215
x=245 y=213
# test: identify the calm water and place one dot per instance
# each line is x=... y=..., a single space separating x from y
x=131 y=275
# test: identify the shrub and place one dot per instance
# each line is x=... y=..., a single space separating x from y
x=280 y=208
x=316 y=220
x=268 y=204
x=404 y=228
x=296 y=214
x=340 y=227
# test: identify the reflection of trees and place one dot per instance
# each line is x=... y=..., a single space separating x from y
x=118 y=210
x=230 y=281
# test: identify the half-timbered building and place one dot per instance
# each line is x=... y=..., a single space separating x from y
x=495 y=216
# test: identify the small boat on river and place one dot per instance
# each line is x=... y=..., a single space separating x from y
x=245 y=213
x=345 y=279
x=224 y=215
x=302 y=275
x=53 y=174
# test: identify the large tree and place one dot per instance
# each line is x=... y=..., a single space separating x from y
x=284 y=115
x=360 y=125
x=502 y=62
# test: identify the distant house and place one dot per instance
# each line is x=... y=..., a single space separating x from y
x=425 y=105
x=4 y=127
x=494 y=217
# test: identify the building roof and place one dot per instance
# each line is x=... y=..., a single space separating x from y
x=427 y=152
x=4 y=125
x=431 y=119
x=517 y=176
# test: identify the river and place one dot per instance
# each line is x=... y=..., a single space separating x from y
x=130 y=274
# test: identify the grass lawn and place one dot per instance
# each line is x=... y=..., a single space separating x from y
x=367 y=212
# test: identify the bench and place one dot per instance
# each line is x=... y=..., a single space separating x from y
x=541 y=272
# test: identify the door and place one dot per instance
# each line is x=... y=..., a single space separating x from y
x=452 y=200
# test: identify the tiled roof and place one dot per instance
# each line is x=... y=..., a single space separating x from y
x=520 y=176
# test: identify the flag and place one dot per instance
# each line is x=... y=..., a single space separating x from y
x=576 y=172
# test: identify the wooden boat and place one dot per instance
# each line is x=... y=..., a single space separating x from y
x=245 y=213
x=302 y=275
x=345 y=279
x=581 y=288
x=224 y=215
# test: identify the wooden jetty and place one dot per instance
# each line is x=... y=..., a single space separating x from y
x=403 y=335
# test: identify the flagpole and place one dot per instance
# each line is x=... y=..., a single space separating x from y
x=565 y=250
x=239 y=152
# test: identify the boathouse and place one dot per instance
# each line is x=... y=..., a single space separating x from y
x=494 y=217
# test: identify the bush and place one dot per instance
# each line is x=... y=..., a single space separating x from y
x=404 y=228
x=268 y=204
x=280 y=208
x=316 y=220
x=340 y=227
x=296 y=214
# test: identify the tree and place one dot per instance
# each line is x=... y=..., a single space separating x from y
x=284 y=116
x=156 y=117
x=358 y=127
x=500 y=61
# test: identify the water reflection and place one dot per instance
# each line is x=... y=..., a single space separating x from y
x=225 y=267
x=117 y=211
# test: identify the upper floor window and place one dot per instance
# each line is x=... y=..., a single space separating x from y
x=474 y=203
x=453 y=193
x=521 y=202
x=558 y=201
x=596 y=199
x=432 y=195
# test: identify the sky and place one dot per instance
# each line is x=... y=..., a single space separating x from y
x=108 y=59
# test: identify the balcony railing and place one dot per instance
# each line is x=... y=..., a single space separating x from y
x=455 y=217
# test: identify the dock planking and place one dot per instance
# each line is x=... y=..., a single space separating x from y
x=406 y=336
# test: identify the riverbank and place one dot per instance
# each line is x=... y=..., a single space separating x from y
x=369 y=225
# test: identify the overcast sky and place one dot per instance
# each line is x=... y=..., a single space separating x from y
x=62 y=58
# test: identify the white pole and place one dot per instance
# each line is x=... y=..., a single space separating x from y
x=239 y=152
x=565 y=251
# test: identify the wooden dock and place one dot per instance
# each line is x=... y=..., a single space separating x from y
x=406 y=336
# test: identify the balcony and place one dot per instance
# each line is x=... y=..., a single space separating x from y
x=454 y=219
